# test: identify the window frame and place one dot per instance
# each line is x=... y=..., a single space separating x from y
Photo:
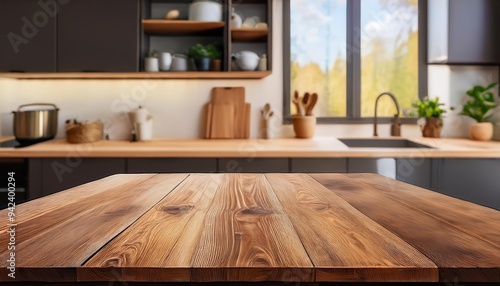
x=353 y=90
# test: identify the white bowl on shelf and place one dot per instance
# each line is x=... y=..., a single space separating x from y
x=205 y=11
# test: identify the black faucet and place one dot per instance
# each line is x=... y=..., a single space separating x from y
x=396 y=125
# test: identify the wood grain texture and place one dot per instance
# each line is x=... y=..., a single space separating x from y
x=87 y=225
x=461 y=238
x=248 y=237
x=318 y=147
x=160 y=245
x=343 y=244
x=223 y=121
x=233 y=96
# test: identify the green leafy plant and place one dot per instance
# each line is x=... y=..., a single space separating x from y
x=428 y=108
x=198 y=51
x=481 y=103
x=214 y=51
x=153 y=54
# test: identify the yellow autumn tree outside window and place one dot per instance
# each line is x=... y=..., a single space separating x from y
x=388 y=53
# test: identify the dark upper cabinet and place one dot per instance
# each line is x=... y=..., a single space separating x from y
x=27 y=36
x=98 y=36
x=464 y=31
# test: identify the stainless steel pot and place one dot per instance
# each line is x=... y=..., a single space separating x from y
x=35 y=124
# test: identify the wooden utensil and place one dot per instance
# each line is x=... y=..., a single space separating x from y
x=296 y=101
x=222 y=126
x=311 y=102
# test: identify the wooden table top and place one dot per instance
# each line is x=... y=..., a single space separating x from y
x=252 y=228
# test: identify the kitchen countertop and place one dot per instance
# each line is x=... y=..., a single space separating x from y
x=252 y=228
x=319 y=147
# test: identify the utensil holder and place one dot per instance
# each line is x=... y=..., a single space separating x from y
x=304 y=126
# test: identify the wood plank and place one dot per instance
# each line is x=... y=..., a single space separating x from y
x=142 y=75
x=208 y=119
x=88 y=224
x=344 y=244
x=461 y=238
x=248 y=237
x=179 y=27
x=249 y=35
x=160 y=245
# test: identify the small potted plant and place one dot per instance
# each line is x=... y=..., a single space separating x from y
x=480 y=108
x=151 y=63
x=431 y=110
x=216 y=57
x=201 y=57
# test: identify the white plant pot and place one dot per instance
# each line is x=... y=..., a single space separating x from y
x=481 y=131
x=151 y=65
x=207 y=11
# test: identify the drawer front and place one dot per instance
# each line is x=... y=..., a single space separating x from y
x=318 y=165
x=171 y=165
x=254 y=165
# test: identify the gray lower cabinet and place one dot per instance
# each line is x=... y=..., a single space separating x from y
x=171 y=165
x=63 y=173
x=382 y=166
x=415 y=171
x=318 y=165
x=473 y=180
x=253 y=165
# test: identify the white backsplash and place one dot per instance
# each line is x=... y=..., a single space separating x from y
x=450 y=84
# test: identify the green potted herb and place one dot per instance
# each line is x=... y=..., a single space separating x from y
x=151 y=63
x=480 y=107
x=201 y=57
x=431 y=110
x=215 y=56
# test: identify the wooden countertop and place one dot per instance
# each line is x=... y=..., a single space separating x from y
x=320 y=147
x=252 y=228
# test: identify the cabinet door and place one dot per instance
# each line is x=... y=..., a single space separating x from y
x=63 y=173
x=253 y=165
x=98 y=36
x=415 y=171
x=318 y=165
x=171 y=165
x=474 y=41
x=473 y=180
x=382 y=166
x=28 y=36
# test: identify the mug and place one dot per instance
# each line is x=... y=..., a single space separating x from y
x=165 y=61
x=179 y=63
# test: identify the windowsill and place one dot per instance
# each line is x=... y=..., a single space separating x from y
x=369 y=120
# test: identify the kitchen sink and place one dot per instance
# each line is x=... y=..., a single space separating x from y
x=382 y=143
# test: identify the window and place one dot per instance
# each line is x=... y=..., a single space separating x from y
x=350 y=51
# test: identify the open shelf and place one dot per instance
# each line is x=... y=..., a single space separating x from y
x=179 y=27
x=249 y=35
x=141 y=75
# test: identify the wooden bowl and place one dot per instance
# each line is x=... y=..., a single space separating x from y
x=84 y=132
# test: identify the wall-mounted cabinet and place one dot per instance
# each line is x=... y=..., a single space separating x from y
x=177 y=36
x=463 y=32
x=112 y=38
x=28 y=37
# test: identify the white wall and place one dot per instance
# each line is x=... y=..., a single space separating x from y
x=177 y=104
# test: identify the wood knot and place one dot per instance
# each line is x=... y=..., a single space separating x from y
x=256 y=211
x=180 y=209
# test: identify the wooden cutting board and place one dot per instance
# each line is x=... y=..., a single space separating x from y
x=233 y=96
x=208 y=119
x=222 y=124
x=248 y=108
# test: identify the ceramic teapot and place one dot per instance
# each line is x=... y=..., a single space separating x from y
x=246 y=60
